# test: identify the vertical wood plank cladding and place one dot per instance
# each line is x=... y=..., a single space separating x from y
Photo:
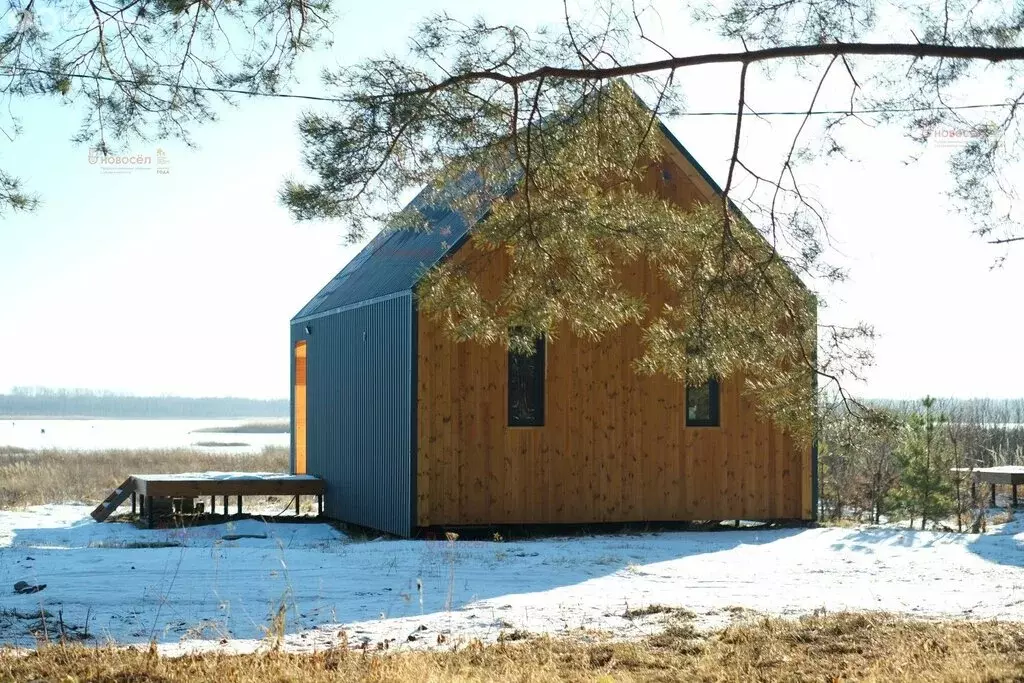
x=806 y=500
x=559 y=470
x=493 y=419
x=424 y=435
x=781 y=467
x=580 y=497
x=633 y=503
x=614 y=446
x=439 y=407
x=465 y=374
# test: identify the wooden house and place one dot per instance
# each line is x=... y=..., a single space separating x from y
x=410 y=429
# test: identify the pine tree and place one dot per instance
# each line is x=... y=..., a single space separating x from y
x=925 y=489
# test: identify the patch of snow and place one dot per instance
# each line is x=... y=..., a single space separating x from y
x=223 y=476
x=219 y=586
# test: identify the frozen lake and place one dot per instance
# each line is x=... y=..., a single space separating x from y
x=93 y=435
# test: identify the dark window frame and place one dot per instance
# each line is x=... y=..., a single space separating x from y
x=539 y=386
x=714 y=418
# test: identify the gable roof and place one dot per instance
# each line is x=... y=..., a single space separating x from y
x=395 y=259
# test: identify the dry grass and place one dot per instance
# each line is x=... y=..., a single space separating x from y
x=656 y=609
x=248 y=428
x=841 y=647
x=1002 y=517
x=37 y=477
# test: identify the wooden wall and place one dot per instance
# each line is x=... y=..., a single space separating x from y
x=614 y=446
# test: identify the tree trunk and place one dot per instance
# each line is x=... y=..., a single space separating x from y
x=875 y=498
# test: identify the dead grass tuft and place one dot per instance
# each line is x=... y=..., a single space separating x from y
x=514 y=635
x=50 y=476
x=650 y=610
x=839 y=647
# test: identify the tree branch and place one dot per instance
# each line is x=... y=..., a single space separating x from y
x=915 y=50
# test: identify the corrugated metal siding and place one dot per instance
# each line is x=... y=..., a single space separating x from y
x=360 y=412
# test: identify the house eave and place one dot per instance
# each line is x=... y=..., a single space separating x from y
x=348 y=307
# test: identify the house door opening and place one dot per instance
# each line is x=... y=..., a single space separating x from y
x=300 y=407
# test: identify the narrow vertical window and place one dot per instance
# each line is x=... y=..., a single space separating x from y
x=299 y=407
x=526 y=387
x=702 y=404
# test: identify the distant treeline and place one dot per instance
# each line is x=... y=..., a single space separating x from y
x=33 y=402
x=996 y=410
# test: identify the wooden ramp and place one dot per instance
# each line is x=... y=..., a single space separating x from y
x=110 y=503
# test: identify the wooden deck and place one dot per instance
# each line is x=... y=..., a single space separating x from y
x=1008 y=475
x=149 y=491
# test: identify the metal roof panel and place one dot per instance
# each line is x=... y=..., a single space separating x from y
x=395 y=259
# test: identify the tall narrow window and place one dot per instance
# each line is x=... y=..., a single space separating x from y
x=702 y=404
x=526 y=387
x=299 y=405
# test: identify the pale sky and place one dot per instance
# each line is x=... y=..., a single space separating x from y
x=184 y=283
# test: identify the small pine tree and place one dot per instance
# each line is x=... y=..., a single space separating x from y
x=925 y=489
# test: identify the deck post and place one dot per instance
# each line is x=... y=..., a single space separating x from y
x=993 y=494
x=239 y=504
x=213 y=505
x=297 y=496
x=1014 y=495
x=149 y=512
x=319 y=505
x=226 y=513
x=133 y=503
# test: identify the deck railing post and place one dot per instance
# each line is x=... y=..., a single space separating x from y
x=297 y=496
x=239 y=504
x=133 y=504
x=993 y=495
x=226 y=513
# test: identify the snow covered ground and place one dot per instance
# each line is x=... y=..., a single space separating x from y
x=219 y=586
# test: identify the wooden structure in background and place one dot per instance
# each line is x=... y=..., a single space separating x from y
x=158 y=491
x=1006 y=475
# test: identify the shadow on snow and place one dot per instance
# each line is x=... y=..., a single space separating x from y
x=1002 y=544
